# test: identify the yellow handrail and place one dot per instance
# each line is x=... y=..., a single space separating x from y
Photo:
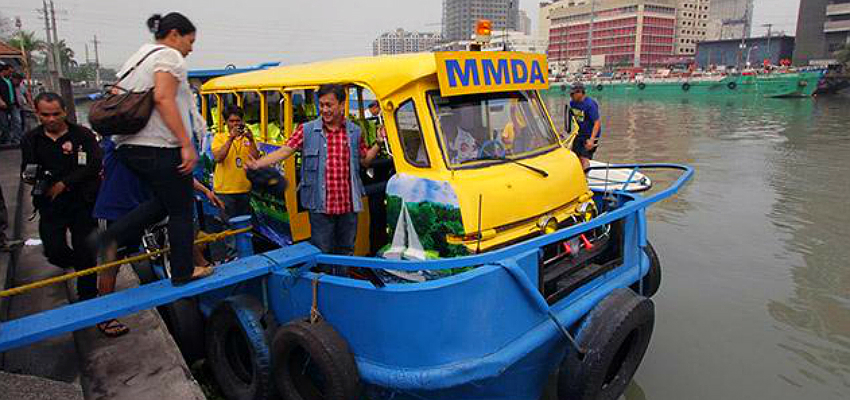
x=212 y=237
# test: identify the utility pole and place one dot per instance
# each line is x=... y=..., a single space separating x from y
x=56 y=56
x=590 y=32
x=52 y=82
x=96 y=64
x=26 y=59
x=769 y=34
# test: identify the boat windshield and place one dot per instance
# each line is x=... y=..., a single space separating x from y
x=493 y=126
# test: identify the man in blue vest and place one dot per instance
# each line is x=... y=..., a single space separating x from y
x=333 y=151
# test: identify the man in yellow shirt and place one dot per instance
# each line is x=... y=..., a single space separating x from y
x=231 y=150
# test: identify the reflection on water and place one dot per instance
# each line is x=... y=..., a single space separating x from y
x=755 y=301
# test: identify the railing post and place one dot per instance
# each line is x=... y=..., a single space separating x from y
x=244 y=247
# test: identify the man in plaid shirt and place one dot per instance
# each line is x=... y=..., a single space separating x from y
x=333 y=151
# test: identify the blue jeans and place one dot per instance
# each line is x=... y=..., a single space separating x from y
x=334 y=234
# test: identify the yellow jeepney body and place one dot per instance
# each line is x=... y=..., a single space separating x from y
x=498 y=202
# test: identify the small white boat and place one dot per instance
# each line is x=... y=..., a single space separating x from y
x=626 y=179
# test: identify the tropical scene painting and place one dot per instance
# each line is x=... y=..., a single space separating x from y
x=420 y=214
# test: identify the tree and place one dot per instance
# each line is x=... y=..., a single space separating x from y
x=843 y=56
x=66 y=56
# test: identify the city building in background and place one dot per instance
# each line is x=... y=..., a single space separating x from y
x=523 y=23
x=624 y=33
x=755 y=51
x=730 y=19
x=401 y=41
x=460 y=16
x=691 y=25
x=499 y=41
x=823 y=27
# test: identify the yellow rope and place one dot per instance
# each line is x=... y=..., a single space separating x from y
x=62 y=278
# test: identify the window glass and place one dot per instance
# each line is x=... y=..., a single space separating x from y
x=304 y=106
x=274 y=107
x=359 y=100
x=251 y=107
x=213 y=112
x=410 y=135
x=492 y=126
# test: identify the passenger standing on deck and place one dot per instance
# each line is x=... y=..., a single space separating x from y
x=230 y=151
x=10 y=111
x=585 y=111
x=162 y=154
x=70 y=162
x=333 y=151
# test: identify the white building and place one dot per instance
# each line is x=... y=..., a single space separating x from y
x=524 y=23
x=401 y=41
x=500 y=41
x=692 y=25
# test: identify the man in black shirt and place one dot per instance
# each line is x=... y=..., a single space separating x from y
x=70 y=161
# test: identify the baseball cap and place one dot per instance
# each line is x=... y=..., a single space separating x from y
x=577 y=87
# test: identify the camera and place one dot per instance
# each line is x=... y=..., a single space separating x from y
x=40 y=179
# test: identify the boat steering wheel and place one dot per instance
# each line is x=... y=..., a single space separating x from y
x=498 y=149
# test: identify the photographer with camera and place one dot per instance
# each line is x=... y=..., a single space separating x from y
x=63 y=162
x=231 y=150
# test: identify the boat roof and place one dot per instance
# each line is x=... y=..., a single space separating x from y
x=382 y=74
x=229 y=70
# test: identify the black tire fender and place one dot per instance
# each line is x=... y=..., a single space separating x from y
x=732 y=85
x=301 y=349
x=802 y=83
x=686 y=86
x=641 y=86
x=185 y=323
x=238 y=351
x=615 y=336
x=651 y=282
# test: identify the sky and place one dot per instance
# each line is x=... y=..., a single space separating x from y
x=249 y=32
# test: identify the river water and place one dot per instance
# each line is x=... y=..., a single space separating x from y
x=755 y=251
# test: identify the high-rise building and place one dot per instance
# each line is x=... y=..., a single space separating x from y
x=623 y=32
x=823 y=27
x=401 y=41
x=523 y=23
x=460 y=16
x=734 y=18
x=691 y=25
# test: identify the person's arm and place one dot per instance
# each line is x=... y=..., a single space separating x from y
x=220 y=150
x=252 y=149
x=27 y=154
x=165 y=101
x=369 y=154
x=593 y=114
x=198 y=186
x=274 y=157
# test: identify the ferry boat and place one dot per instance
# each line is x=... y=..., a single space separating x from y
x=499 y=266
x=749 y=83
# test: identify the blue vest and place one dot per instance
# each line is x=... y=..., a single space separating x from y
x=314 y=162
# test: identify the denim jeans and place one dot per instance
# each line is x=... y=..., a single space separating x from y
x=334 y=234
x=172 y=198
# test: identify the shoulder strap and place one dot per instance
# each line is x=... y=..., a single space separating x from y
x=139 y=63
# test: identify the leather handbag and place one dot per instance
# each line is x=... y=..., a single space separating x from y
x=121 y=111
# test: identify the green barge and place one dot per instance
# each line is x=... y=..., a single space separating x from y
x=795 y=84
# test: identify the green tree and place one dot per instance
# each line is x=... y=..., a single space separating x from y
x=29 y=42
x=66 y=56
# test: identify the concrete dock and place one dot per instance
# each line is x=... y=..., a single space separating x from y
x=144 y=364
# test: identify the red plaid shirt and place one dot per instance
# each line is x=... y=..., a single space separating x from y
x=337 y=169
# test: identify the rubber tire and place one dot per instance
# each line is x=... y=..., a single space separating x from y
x=622 y=318
x=185 y=323
x=599 y=88
x=144 y=270
x=326 y=349
x=641 y=86
x=652 y=280
x=732 y=85
x=686 y=86
x=236 y=329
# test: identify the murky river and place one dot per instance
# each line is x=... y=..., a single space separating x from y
x=755 y=299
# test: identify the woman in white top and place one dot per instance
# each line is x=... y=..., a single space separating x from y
x=162 y=154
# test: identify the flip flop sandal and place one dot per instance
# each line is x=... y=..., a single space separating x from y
x=113 y=328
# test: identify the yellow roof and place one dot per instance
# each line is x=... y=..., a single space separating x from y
x=382 y=74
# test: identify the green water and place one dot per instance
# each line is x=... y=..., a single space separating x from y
x=755 y=299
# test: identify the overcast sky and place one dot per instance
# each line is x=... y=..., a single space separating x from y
x=248 y=32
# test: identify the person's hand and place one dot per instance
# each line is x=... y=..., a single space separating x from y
x=189 y=157
x=381 y=137
x=56 y=190
x=589 y=144
x=216 y=202
x=251 y=163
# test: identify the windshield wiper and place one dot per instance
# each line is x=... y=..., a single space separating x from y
x=511 y=160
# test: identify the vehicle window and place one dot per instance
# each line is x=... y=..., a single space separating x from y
x=491 y=126
x=304 y=106
x=274 y=108
x=410 y=135
x=251 y=108
x=213 y=112
x=359 y=99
